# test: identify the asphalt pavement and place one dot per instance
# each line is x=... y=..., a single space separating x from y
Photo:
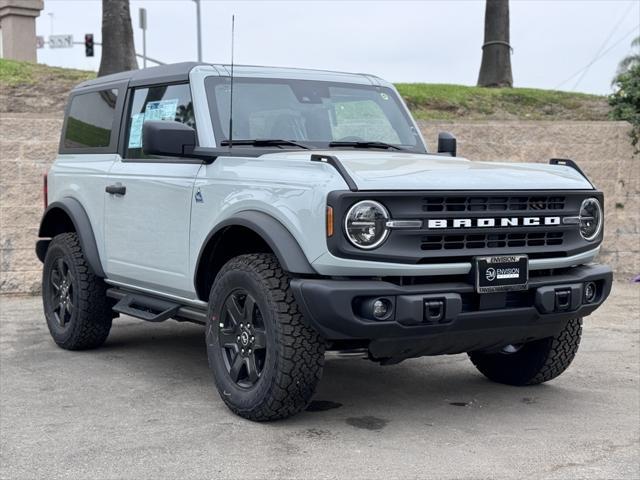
x=144 y=406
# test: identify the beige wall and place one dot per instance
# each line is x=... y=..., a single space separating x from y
x=29 y=143
x=27 y=147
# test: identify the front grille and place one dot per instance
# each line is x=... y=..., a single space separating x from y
x=493 y=203
x=491 y=240
x=455 y=229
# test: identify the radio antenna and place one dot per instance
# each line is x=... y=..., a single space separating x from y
x=233 y=24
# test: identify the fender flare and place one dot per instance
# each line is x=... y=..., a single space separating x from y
x=82 y=225
x=273 y=232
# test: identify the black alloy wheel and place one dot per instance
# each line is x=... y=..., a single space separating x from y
x=266 y=360
x=62 y=292
x=242 y=338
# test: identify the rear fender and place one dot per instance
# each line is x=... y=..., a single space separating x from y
x=68 y=215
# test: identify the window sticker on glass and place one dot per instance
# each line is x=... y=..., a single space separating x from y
x=161 y=110
x=135 y=137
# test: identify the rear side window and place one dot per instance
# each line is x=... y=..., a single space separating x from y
x=162 y=102
x=90 y=120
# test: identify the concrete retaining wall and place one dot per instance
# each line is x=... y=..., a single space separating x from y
x=29 y=143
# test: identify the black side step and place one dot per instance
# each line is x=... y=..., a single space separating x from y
x=146 y=308
x=152 y=309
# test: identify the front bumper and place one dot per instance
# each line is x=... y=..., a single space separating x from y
x=330 y=265
x=470 y=321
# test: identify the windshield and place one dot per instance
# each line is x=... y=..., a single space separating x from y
x=315 y=114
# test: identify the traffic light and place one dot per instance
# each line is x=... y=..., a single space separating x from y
x=88 y=44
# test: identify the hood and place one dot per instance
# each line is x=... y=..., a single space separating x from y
x=401 y=171
x=407 y=171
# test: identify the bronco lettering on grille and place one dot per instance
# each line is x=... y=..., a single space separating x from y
x=492 y=222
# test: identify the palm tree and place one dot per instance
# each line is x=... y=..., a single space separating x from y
x=495 y=70
x=118 y=50
x=630 y=61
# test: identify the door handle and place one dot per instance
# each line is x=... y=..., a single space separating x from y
x=117 y=189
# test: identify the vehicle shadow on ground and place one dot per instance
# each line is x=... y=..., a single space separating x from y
x=349 y=387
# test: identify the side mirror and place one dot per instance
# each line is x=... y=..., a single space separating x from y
x=447 y=144
x=169 y=139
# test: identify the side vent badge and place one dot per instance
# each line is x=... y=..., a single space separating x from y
x=199 y=198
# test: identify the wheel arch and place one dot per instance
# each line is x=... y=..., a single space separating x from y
x=68 y=215
x=248 y=231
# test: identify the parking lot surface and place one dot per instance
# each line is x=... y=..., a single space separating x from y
x=144 y=406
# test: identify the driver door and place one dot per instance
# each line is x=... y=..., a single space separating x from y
x=149 y=199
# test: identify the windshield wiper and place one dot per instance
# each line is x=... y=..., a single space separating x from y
x=365 y=145
x=266 y=142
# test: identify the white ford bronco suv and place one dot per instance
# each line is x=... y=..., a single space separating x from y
x=313 y=219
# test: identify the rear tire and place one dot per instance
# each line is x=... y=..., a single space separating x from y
x=74 y=299
x=266 y=361
x=534 y=362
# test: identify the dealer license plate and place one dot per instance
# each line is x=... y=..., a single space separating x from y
x=501 y=273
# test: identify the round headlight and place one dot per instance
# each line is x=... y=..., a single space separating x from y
x=590 y=219
x=366 y=224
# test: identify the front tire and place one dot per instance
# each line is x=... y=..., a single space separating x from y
x=74 y=299
x=266 y=361
x=534 y=362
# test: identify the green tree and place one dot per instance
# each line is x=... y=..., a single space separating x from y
x=625 y=101
x=628 y=62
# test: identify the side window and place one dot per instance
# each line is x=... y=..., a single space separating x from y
x=163 y=102
x=90 y=120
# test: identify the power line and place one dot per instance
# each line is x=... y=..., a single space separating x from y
x=604 y=44
x=598 y=57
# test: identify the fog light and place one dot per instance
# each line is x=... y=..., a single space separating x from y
x=381 y=308
x=375 y=308
x=589 y=292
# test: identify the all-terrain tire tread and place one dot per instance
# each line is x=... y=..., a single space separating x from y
x=300 y=350
x=562 y=352
x=93 y=311
x=538 y=362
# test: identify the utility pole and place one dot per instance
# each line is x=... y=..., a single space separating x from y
x=199 y=29
x=51 y=23
x=143 y=26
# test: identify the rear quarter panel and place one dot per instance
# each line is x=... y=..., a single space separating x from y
x=83 y=177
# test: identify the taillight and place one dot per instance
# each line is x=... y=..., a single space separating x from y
x=45 y=191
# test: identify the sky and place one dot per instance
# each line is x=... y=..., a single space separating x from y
x=432 y=41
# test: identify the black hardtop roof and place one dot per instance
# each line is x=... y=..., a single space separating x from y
x=179 y=72
x=174 y=72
